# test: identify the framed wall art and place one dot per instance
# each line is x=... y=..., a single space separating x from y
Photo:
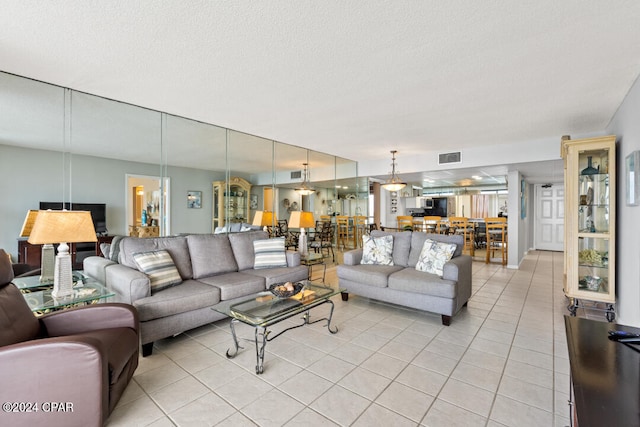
x=194 y=199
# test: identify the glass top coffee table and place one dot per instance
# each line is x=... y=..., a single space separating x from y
x=264 y=309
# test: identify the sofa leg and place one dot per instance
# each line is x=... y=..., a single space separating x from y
x=446 y=320
x=147 y=349
x=345 y=296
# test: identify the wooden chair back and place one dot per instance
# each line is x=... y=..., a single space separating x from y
x=405 y=222
x=497 y=239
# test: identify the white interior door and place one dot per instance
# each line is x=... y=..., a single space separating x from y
x=549 y=224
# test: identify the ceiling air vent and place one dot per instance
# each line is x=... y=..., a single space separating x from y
x=296 y=174
x=445 y=158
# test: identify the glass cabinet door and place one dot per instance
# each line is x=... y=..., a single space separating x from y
x=590 y=222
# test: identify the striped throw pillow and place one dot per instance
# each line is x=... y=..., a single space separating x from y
x=269 y=253
x=159 y=266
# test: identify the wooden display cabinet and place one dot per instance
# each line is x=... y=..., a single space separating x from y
x=590 y=223
x=231 y=202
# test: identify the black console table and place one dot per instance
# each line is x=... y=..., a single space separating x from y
x=605 y=374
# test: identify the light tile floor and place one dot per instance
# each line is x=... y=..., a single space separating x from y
x=502 y=362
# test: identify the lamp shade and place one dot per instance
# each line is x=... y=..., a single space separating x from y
x=62 y=226
x=301 y=219
x=263 y=218
x=29 y=220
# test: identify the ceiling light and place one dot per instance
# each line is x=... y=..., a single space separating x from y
x=393 y=183
x=477 y=178
x=305 y=189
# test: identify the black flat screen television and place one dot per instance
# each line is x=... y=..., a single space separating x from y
x=98 y=212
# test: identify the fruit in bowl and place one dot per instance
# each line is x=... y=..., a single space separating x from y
x=286 y=289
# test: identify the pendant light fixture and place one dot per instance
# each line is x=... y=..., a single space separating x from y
x=305 y=189
x=394 y=183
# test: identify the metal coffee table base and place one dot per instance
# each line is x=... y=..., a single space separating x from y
x=261 y=333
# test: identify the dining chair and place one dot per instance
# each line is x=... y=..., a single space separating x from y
x=497 y=239
x=418 y=224
x=323 y=239
x=460 y=225
x=344 y=231
x=432 y=224
x=405 y=222
x=360 y=226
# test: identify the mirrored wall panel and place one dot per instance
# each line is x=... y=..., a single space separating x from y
x=147 y=173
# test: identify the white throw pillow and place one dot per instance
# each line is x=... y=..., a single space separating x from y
x=269 y=253
x=160 y=268
x=377 y=250
x=434 y=255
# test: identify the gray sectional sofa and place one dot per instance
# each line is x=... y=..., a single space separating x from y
x=402 y=284
x=213 y=268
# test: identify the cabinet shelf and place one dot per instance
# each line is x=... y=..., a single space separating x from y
x=230 y=202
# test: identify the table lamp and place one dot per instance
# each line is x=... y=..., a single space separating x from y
x=264 y=219
x=48 y=252
x=302 y=220
x=62 y=227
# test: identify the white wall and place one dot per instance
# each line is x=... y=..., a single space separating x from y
x=626 y=125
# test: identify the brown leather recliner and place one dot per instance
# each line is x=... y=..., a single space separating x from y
x=67 y=368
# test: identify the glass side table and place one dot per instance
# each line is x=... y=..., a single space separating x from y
x=311 y=259
x=86 y=290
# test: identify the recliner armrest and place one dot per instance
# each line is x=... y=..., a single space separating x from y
x=71 y=371
x=91 y=318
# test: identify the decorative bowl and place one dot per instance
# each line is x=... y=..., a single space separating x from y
x=274 y=289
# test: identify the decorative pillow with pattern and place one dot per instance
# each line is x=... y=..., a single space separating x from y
x=160 y=268
x=377 y=250
x=434 y=256
x=269 y=253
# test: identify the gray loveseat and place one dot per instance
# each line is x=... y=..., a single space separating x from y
x=402 y=284
x=213 y=268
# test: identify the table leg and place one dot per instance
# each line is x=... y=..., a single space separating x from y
x=261 y=343
x=235 y=340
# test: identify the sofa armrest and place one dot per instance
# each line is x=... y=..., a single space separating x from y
x=95 y=266
x=353 y=257
x=293 y=258
x=128 y=284
x=44 y=370
x=90 y=318
x=458 y=269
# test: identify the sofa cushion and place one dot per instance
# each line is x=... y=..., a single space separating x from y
x=418 y=239
x=176 y=246
x=372 y=275
x=160 y=268
x=412 y=280
x=190 y=295
x=434 y=256
x=401 y=245
x=234 y=285
x=242 y=245
x=210 y=254
x=377 y=250
x=269 y=253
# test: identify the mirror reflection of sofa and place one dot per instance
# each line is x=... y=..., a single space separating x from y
x=210 y=268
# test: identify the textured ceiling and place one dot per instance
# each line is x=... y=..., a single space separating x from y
x=352 y=78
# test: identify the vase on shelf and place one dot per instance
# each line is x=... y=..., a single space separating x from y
x=589 y=170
